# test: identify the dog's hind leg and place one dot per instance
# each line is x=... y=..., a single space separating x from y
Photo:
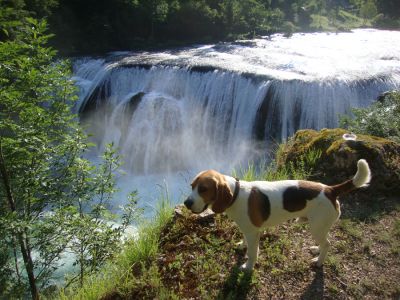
x=322 y=249
x=320 y=227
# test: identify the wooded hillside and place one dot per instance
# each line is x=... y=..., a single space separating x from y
x=96 y=26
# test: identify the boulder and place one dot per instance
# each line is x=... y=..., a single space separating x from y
x=340 y=152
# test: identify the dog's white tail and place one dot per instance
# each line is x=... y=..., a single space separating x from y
x=362 y=178
x=363 y=175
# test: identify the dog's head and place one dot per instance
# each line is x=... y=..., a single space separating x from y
x=209 y=188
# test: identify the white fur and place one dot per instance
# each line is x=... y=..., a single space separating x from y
x=363 y=175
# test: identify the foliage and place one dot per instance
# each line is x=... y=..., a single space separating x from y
x=381 y=119
x=96 y=26
x=368 y=9
x=93 y=231
x=136 y=257
x=319 y=22
x=51 y=199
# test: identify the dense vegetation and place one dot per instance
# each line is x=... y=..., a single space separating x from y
x=94 y=26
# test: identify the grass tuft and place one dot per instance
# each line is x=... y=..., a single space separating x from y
x=301 y=170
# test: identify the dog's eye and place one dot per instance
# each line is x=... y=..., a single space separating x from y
x=202 y=189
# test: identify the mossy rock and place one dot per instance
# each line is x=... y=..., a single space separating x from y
x=338 y=160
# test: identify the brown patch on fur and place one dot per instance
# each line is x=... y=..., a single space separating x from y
x=295 y=197
x=213 y=188
x=206 y=186
x=259 y=207
x=332 y=192
x=224 y=197
x=344 y=187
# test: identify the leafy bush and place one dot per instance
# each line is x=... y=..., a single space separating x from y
x=380 y=119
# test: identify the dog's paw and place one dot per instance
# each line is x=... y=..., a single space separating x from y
x=316 y=263
x=314 y=250
x=241 y=245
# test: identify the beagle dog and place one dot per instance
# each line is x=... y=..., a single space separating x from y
x=256 y=205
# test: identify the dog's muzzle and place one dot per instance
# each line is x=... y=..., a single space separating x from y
x=188 y=202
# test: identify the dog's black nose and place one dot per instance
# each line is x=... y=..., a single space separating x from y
x=188 y=203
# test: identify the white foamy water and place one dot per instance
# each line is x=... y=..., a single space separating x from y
x=352 y=55
x=173 y=113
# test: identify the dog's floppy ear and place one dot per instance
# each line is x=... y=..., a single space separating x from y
x=223 y=197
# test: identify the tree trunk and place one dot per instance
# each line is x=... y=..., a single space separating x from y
x=14 y=245
x=24 y=245
x=26 y=255
x=81 y=267
x=6 y=181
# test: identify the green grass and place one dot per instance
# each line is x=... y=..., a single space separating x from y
x=301 y=170
x=350 y=228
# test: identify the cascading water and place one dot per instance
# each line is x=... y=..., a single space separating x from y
x=221 y=105
x=166 y=119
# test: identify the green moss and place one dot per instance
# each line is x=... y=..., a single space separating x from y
x=338 y=159
x=330 y=141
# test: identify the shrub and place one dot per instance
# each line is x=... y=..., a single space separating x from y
x=380 y=119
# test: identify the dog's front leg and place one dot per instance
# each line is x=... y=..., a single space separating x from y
x=252 y=240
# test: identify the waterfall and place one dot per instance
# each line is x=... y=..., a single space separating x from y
x=170 y=118
x=217 y=106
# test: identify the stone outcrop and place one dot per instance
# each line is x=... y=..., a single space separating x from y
x=339 y=156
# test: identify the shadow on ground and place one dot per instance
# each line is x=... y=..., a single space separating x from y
x=316 y=288
x=238 y=283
